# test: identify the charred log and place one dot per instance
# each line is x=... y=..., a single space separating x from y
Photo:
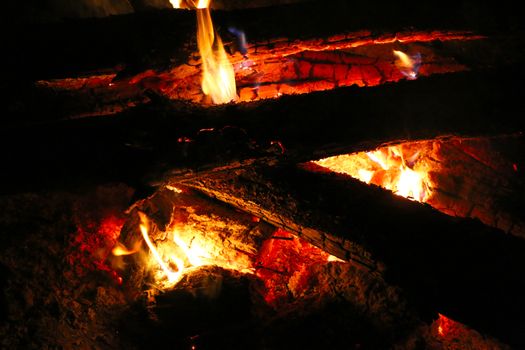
x=478 y=178
x=455 y=266
x=158 y=37
x=268 y=69
x=172 y=140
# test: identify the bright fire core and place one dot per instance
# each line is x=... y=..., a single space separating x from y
x=182 y=250
x=392 y=168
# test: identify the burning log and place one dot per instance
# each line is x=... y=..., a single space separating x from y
x=455 y=266
x=477 y=178
x=269 y=65
x=173 y=140
x=269 y=70
x=289 y=281
x=152 y=39
x=192 y=231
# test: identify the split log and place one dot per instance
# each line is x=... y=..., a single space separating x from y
x=46 y=50
x=477 y=178
x=271 y=68
x=268 y=70
x=172 y=140
x=458 y=267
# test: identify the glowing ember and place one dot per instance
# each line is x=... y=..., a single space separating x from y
x=175 y=3
x=388 y=167
x=408 y=65
x=174 y=189
x=285 y=264
x=90 y=248
x=447 y=327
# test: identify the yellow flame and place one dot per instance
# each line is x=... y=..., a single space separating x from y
x=200 y=4
x=406 y=64
x=172 y=276
x=175 y=3
x=203 y=4
x=404 y=61
x=185 y=249
x=174 y=189
x=333 y=258
x=121 y=250
x=365 y=175
x=410 y=184
x=218 y=77
x=385 y=167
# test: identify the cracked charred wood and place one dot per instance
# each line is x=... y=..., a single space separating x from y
x=158 y=37
x=269 y=69
x=167 y=140
x=478 y=177
x=459 y=267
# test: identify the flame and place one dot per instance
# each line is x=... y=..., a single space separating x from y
x=183 y=250
x=410 y=184
x=200 y=4
x=218 y=77
x=172 y=277
x=408 y=65
x=174 y=189
x=387 y=167
x=175 y=3
x=446 y=326
x=203 y=4
x=121 y=250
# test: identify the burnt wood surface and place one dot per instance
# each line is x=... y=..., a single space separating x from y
x=156 y=38
x=174 y=140
x=458 y=267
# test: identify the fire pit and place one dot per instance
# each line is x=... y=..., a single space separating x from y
x=273 y=177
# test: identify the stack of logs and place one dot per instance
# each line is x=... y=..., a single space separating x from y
x=246 y=155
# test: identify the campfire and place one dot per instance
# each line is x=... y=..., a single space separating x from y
x=270 y=177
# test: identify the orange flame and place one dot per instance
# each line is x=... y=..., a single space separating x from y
x=175 y=3
x=386 y=167
x=407 y=65
x=200 y=4
x=218 y=77
x=183 y=250
x=121 y=250
x=172 y=277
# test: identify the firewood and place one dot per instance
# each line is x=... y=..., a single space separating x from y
x=172 y=140
x=458 y=267
x=159 y=37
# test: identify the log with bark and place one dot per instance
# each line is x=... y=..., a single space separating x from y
x=45 y=50
x=458 y=267
x=478 y=178
x=268 y=69
x=173 y=140
x=110 y=64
